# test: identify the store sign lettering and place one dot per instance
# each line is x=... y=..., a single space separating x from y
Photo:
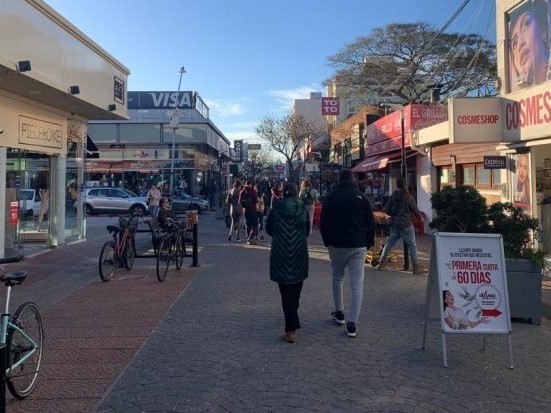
x=38 y=132
x=529 y=111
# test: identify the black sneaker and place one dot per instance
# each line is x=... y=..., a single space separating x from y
x=351 y=329
x=338 y=317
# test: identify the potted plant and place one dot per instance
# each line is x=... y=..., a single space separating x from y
x=523 y=261
x=463 y=209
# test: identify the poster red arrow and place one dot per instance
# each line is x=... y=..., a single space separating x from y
x=491 y=313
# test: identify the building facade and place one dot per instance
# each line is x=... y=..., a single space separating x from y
x=167 y=138
x=46 y=100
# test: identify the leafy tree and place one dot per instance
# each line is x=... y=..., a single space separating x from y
x=406 y=60
x=287 y=135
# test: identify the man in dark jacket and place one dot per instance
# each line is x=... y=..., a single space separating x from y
x=347 y=228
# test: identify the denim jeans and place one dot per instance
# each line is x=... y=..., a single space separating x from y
x=408 y=235
x=354 y=260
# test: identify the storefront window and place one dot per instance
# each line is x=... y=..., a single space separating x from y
x=483 y=177
x=469 y=175
x=140 y=133
x=103 y=133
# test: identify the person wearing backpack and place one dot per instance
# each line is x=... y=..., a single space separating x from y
x=236 y=211
x=248 y=199
x=309 y=197
x=400 y=206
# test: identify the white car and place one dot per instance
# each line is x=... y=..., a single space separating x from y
x=110 y=199
x=29 y=202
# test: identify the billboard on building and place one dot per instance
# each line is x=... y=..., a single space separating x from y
x=475 y=120
x=161 y=100
x=529 y=35
x=330 y=106
x=238 y=148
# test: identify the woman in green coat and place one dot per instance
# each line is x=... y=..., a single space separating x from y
x=288 y=225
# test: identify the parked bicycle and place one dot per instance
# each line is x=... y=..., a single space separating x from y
x=23 y=335
x=121 y=250
x=171 y=248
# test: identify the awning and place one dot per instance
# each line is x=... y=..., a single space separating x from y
x=371 y=163
x=91 y=149
x=376 y=162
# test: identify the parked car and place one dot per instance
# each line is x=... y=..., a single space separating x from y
x=109 y=199
x=29 y=202
x=182 y=202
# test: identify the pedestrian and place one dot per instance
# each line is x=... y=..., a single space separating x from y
x=309 y=197
x=347 y=228
x=165 y=191
x=276 y=195
x=261 y=210
x=400 y=206
x=153 y=198
x=166 y=215
x=248 y=199
x=236 y=211
x=288 y=226
x=211 y=193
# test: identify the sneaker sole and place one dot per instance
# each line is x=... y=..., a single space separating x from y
x=351 y=335
x=339 y=322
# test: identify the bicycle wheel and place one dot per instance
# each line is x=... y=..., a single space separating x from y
x=163 y=257
x=179 y=252
x=27 y=342
x=129 y=254
x=107 y=261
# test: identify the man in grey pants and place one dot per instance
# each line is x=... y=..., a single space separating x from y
x=347 y=228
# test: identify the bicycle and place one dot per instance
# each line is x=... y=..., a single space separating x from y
x=121 y=250
x=171 y=248
x=23 y=335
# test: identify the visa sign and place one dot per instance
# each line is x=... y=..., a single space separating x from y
x=330 y=106
x=161 y=100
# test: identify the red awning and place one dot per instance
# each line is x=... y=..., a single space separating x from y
x=371 y=163
x=376 y=162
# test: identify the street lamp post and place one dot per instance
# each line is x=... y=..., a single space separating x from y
x=174 y=122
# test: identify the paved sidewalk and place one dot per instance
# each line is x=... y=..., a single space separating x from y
x=218 y=348
x=207 y=339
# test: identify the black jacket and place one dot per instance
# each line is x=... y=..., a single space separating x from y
x=346 y=218
x=288 y=225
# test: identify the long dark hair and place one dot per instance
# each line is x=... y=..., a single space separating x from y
x=289 y=190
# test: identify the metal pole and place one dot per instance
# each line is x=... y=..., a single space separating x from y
x=173 y=155
x=403 y=173
x=403 y=166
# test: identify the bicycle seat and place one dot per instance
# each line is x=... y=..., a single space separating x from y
x=12 y=278
x=113 y=228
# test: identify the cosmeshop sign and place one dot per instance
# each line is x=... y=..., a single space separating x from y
x=475 y=120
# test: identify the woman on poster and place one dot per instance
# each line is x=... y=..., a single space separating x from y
x=455 y=318
x=521 y=190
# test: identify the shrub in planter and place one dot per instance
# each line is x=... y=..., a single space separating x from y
x=519 y=231
x=460 y=209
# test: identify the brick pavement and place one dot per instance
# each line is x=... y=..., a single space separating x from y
x=218 y=349
x=213 y=345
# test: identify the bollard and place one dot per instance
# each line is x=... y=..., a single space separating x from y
x=406 y=257
x=3 y=357
x=192 y=219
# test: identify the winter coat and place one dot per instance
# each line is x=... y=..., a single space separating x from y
x=400 y=207
x=288 y=225
x=346 y=218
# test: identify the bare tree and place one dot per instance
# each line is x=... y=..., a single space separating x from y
x=259 y=162
x=287 y=136
x=407 y=60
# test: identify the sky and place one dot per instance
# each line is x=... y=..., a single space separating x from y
x=249 y=59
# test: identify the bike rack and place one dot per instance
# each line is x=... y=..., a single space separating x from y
x=149 y=253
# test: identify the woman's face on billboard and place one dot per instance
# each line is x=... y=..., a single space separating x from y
x=529 y=56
